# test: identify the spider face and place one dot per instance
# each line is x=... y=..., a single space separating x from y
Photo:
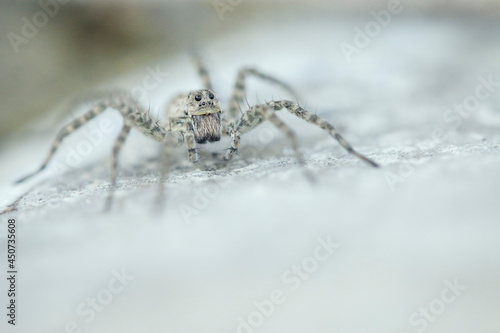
x=204 y=110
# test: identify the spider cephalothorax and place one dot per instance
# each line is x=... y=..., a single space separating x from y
x=204 y=110
x=196 y=117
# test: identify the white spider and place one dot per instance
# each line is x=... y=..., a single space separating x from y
x=197 y=118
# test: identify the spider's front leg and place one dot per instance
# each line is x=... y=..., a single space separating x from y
x=257 y=114
x=254 y=117
x=191 y=146
x=133 y=116
x=310 y=117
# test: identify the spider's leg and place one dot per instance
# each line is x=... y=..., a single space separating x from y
x=202 y=70
x=170 y=142
x=120 y=140
x=227 y=127
x=64 y=132
x=310 y=117
x=248 y=121
x=239 y=88
x=191 y=145
x=143 y=122
x=251 y=119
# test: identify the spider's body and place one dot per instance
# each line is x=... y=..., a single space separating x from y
x=197 y=118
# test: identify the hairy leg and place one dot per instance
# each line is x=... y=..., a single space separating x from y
x=170 y=142
x=120 y=140
x=310 y=117
x=240 y=86
x=129 y=109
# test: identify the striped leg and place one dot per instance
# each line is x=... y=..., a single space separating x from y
x=144 y=123
x=310 y=117
x=239 y=88
x=248 y=121
x=202 y=70
x=120 y=140
x=191 y=145
x=251 y=119
x=170 y=142
x=64 y=132
x=133 y=115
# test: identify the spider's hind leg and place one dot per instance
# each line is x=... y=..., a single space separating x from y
x=240 y=87
x=191 y=146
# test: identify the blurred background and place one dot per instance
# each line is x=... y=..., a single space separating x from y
x=84 y=42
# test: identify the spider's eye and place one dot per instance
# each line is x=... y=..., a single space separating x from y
x=198 y=97
x=211 y=96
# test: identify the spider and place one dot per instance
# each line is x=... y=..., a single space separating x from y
x=197 y=118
